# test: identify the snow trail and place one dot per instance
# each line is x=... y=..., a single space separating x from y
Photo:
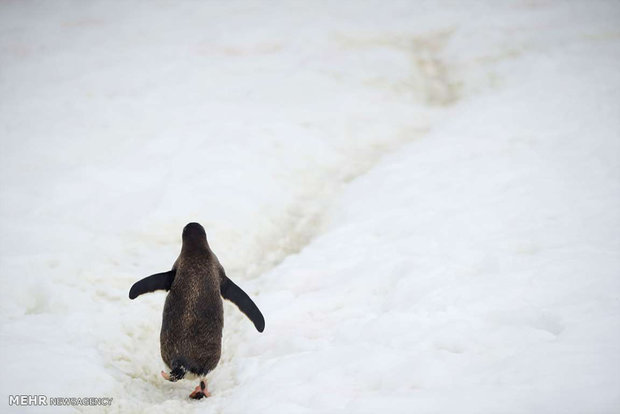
x=297 y=225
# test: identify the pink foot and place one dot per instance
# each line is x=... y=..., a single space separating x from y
x=200 y=391
x=165 y=375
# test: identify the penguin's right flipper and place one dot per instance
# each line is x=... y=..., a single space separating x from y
x=158 y=281
x=236 y=295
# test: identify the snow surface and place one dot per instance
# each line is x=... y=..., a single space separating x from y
x=423 y=198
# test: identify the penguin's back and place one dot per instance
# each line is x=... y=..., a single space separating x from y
x=193 y=317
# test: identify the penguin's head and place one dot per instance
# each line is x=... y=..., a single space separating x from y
x=194 y=234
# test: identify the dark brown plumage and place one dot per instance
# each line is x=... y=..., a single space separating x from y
x=193 y=318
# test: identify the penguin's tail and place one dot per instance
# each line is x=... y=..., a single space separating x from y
x=178 y=372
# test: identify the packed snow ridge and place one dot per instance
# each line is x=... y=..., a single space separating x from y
x=423 y=198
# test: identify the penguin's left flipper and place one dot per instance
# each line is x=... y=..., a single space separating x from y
x=236 y=295
x=158 y=281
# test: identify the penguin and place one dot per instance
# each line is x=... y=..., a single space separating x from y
x=193 y=316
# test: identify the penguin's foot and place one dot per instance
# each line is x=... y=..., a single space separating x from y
x=200 y=391
x=166 y=376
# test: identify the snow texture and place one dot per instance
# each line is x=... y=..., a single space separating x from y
x=423 y=198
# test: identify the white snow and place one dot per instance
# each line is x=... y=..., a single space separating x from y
x=423 y=198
